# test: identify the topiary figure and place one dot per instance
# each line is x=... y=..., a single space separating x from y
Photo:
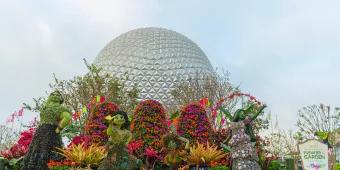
x=175 y=147
x=194 y=124
x=118 y=157
x=149 y=124
x=53 y=118
x=96 y=125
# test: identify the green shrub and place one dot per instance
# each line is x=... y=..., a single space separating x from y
x=219 y=168
x=276 y=165
x=337 y=167
x=60 y=168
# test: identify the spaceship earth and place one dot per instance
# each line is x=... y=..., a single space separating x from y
x=155 y=60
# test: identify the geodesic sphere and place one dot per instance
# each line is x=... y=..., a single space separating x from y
x=155 y=59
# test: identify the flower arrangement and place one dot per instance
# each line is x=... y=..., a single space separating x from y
x=194 y=124
x=21 y=147
x=149 y=123
x=96 y=126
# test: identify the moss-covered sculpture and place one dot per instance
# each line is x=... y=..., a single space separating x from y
x=53 y=118
x=243 y=152
x=248 y=114
x=244 y=156
x=118 y=157
x=174 y=145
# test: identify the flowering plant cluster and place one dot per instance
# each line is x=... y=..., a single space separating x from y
x=134 y=147
x=194 y=124
x=149 y=123
x=15 y=116
x=95 y=127
x=67 y=163
x=21 y=147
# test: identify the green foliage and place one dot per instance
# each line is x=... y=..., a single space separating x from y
x=13 y=164
x=60 y=168
x=114 y=131
x=119 y=159
x=276 y=165
x=219 y=168
x=337 y=167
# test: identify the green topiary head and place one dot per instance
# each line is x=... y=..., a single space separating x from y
x=55 y=97
x=117 y=120
x=171 y=141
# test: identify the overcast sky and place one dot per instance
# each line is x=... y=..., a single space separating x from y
x=284 y=52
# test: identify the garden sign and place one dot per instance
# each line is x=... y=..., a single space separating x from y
x=314 y=155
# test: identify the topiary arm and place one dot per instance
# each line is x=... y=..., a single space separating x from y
x=187 y=142
x=237 y=115
x=227 y=113
x=321 y=135
x=109 y=130
x=258 y=113
x=65 y=120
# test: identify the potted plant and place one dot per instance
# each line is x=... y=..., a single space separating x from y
x=201 y=155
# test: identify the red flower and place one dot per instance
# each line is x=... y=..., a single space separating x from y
x=80 y=139
x=204 y=102
x=76 y=115
x=149 y=152
x=21 y=147
x=102 y=99
x=134 y=145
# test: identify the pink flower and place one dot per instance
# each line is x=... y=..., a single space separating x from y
x=222 y=121
x=21 y=112
x=10 y=120
x=214 y=113
x=102 y=99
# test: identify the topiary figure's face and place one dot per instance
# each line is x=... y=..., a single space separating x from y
x=118 y=120
x=55 y=97
x=172 y=145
